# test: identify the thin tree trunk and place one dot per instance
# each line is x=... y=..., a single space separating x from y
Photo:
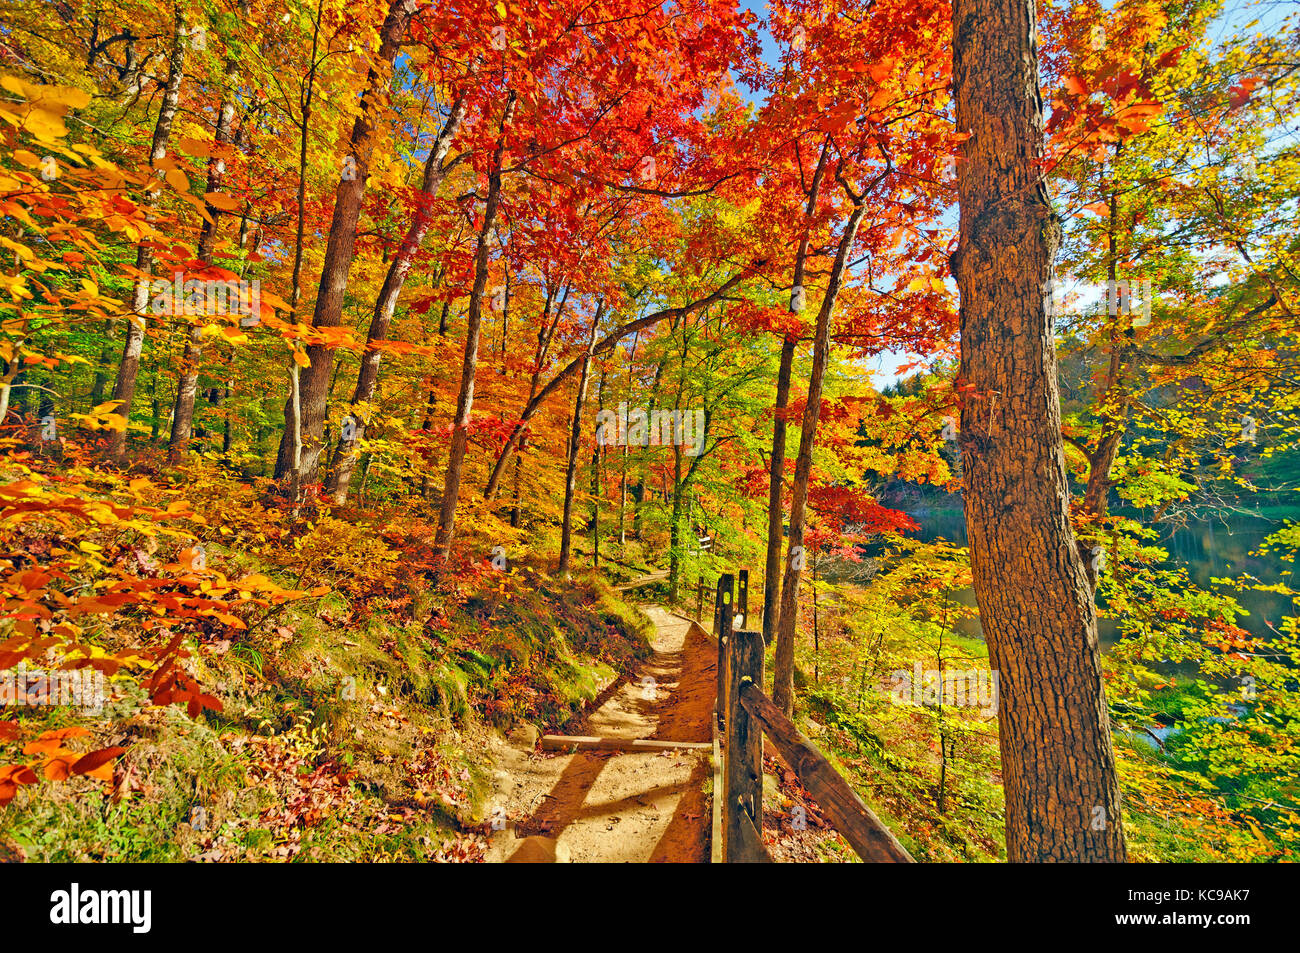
x=783 y=661
x=604 y=344
x=941 y=799
x=817 y=642
x=1035 y=604
x=293 y=422
x=155 y=407
x=675 y=529
x=188 y=383
x=386 y=305
x=622 y=496
x=1112 y=404
x=295 y=431
x=575 y=442
x=545 y=332
x=473 y=325
x=776 y=472
x=596 y=483
x=129 y=367
x=340 y=249
x=307 y=103
x=105 y=364
x=430 y=404
x=227 y=439
x=622 y=483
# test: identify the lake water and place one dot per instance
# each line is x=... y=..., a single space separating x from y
x=1218 y=547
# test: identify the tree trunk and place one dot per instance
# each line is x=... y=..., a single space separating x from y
x=783 y=660
x=604 y=344
x=340 y=249
x=346 y=452
x=775 y=484
x=188 y=383
x=430 y=405
x=575 y=441
x=227 y=437
x=104 y=366
x=155 y=407
x=1058 y=768
x=293 y=424
x=675 y=527
x=307 y=102
x=776 y=474
x=12 y=370
x=545 y=332
x=473 y=325
x=622 y=483
x=1112 y=403
x=129 y=367
x=622 y=496
x=817 y=642
x=597 y=484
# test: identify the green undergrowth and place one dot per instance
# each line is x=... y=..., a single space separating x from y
x=890 y=754
x=1187 y=797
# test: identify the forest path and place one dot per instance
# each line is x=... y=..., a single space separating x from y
x=659 y=575
x=630 y=807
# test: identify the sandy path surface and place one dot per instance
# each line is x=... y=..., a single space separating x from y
x=623 y=807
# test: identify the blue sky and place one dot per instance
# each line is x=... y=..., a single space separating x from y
x=1236 y=14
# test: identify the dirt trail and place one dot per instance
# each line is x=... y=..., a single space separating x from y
x=623 y=807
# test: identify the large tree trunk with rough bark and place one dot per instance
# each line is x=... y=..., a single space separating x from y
x=340 y=249
x=1036 y=609
x=346 y=452
x=788 y=621
x=129 y=367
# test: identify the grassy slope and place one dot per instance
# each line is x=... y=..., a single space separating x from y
x=353 y=726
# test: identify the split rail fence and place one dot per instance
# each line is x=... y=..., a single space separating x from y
x=743 y=715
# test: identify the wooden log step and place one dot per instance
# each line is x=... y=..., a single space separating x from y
x=592 y=743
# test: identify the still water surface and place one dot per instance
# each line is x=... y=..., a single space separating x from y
x=1219 y=547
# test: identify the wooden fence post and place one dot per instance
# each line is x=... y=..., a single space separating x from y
x=742 y=597
x=743 y=807
x=699 y=601
x=722 y=615
x=718 y=607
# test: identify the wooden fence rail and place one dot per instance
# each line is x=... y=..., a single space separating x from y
x=744 y=715
x=856 y=822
